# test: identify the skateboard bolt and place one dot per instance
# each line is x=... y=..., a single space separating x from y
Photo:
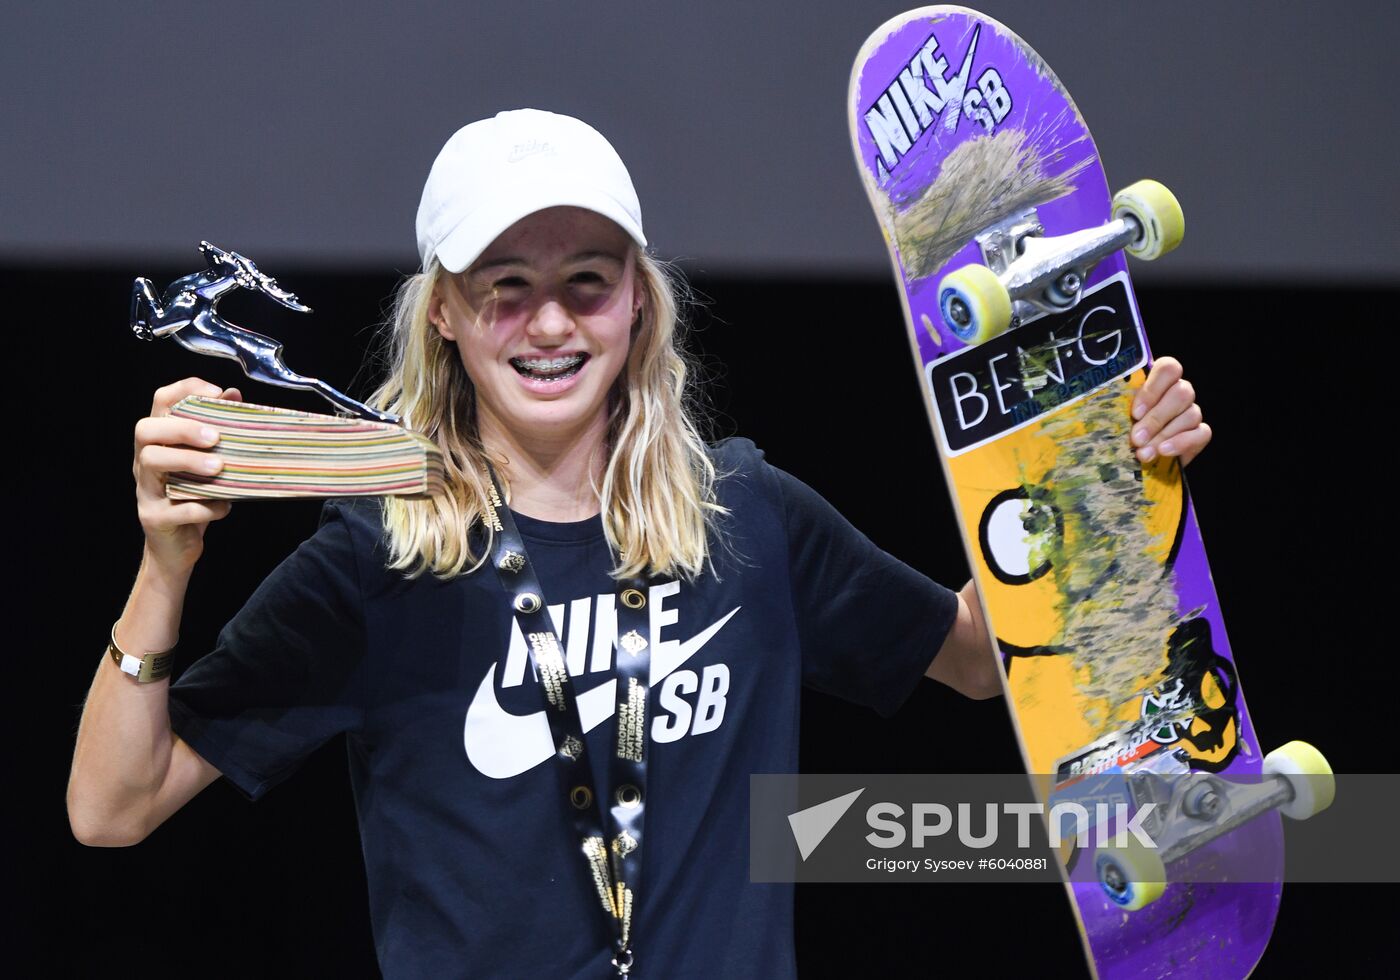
x=958 y=310
x=1113 y=879
x=1069 y=283
x=1203 y=802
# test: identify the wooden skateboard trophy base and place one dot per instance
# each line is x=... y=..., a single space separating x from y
x=276 y=452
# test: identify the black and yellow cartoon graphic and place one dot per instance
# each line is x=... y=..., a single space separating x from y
x=1076 y=542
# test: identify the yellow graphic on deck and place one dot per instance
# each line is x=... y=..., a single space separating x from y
x=1072 y=543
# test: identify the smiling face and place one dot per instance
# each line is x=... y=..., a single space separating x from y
x=542 y=321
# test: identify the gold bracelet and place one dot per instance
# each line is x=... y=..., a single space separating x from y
x=147 y=668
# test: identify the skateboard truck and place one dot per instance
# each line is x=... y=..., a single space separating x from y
x=1044 y=275
x=1194 y=809
x=1027 y=275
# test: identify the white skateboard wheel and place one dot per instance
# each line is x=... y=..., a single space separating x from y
x=1156 y=209
x=1307 y=773
x=974 y=303
x=1132 y=876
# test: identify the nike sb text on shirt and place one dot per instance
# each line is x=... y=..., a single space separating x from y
x=502 y=744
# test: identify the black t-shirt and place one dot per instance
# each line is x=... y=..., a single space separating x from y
x=472 y=861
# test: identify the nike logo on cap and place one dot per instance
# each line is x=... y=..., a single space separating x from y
x=501 y=745
x=529 y=148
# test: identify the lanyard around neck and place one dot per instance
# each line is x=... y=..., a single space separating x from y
x=611 y=846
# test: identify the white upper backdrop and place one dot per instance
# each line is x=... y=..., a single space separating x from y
x=301 y=132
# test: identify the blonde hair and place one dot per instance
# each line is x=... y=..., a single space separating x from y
x=657 y=490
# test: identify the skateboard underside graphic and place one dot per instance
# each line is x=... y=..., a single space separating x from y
x=1090 y=564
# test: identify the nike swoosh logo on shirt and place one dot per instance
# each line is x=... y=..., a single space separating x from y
x=501 y=745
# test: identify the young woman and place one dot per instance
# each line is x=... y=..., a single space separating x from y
x=537 y=348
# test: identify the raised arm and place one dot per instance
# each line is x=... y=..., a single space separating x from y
x=965 y=661
x=130 y=772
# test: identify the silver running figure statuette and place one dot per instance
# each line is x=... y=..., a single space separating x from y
x=188 y=311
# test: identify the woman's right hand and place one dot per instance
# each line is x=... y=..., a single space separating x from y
x=164 y=445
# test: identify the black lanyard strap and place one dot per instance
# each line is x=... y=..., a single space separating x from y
x=612 y=847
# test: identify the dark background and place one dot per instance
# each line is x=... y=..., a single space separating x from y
x=300 y=131
x=1292 y=496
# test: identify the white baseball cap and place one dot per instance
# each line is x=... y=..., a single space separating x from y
x=494 y=172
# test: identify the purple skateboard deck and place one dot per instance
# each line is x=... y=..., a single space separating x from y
x=1090 y=564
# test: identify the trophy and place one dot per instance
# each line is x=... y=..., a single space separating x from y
x=268 y=451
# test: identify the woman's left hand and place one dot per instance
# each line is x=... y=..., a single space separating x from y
x=1166 y=417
